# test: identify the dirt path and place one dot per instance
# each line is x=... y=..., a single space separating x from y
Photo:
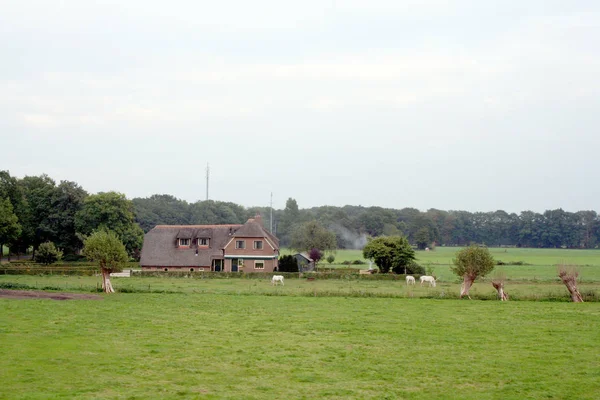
x=36 y=294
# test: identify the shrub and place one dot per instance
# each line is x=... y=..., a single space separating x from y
x=47 y=253
x=288 y=263
x=413 y=268
x=358 y=262
x=73 y=257
x=330 y=258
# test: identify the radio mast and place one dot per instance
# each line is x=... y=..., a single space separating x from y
x=271 y=219
x=207 y=176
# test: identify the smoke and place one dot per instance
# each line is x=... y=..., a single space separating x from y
x=347 y=238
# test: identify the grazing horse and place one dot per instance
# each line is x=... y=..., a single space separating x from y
x=410 y=280
x=277 y=279
x=429 y=279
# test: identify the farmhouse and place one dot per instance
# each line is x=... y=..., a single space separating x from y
x=219 y=248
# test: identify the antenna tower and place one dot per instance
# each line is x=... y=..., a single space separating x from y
x=271 y=219
x=207 y=176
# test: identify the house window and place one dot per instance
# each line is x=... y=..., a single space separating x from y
x=258 y=244
x=202 y=242
x=240 y=244
x=259 y=265
x=184 y=242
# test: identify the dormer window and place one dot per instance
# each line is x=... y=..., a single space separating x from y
x=184 y=242
x=202 y=241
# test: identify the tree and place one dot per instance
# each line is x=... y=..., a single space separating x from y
x=10 y=229
x=67 y=200
x=389 y=252
x=287 y=263
x=568 y=275
x=422 y=238
x=311 y=235
x=289 y=219
x=471 y=263
x=498 y=284
x=315 y=255
x=330 y=258
x=111 y=211
x=38 y=192
x=106 y=248
x=48 y=253
x=161 y=209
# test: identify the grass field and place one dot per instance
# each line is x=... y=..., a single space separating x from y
x=139 y=346
x=323 y=339
x=541 y=263
x=520 y=290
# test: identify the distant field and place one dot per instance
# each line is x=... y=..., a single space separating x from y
x=542 y=262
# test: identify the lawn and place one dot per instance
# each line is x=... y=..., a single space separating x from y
x=328 y=338
x=540 y=263
x=518 y=290
x=216 y=346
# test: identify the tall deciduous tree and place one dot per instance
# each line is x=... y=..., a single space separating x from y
x=38 y=192
x=105 y=248
x=9 y=224
x=312 y=235
x=390 y=252
x=67 y=201
x=111 y=211
x=290 y=218
x=470 y=263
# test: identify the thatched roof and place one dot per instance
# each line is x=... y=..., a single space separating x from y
x=160 y=244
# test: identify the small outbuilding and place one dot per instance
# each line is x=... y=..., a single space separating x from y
x=305 y=263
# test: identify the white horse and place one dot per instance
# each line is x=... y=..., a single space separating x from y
x=429 y=279
x=276 y=279
x=410 y=280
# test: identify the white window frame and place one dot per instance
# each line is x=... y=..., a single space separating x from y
x=243 y=242
x=259 y=262
x=185 y=244
x=262 y=245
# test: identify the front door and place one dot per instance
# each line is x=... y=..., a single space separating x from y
x=218 y=265
x=234 y=265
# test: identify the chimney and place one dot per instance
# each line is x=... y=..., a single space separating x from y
x=258 y=219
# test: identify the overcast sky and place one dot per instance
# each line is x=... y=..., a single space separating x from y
x=468 y=104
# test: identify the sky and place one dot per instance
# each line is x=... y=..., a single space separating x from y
x=456 y=105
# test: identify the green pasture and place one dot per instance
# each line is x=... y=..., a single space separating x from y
x=224 y=346
x=540 y=264
x=295 y=287
x=444 y=256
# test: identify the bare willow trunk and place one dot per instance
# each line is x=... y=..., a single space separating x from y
x=466 y=285
x=106 y=285
x=499 y=286
x=569 y=278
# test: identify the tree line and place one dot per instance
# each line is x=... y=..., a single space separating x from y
x=352 y=225
x=35 y=210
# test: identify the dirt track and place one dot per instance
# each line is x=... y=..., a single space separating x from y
x=36 y=294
